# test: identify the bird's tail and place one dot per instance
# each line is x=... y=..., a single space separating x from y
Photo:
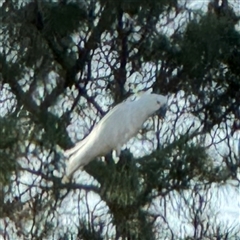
x=68 y=153
x=71 y=162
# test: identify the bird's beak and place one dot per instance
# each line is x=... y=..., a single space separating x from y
x=162 y=111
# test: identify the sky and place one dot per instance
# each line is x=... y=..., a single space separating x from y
x=225 y=199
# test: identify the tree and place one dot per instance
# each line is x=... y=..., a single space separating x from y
x=64 y=64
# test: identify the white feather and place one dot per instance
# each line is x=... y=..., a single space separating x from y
x=114 y=130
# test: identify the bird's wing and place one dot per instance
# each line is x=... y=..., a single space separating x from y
x=95 y=144
x=115 y=112
x=115 y=128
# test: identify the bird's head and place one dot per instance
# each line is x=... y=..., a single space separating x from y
x=163 y=108
x=162 y=103
x=156 y=103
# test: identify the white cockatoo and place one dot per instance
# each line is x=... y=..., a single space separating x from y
x=114 y=130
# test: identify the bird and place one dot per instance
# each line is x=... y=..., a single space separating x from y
x=118 y=126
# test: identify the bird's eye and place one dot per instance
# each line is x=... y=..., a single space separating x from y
x=158 y=102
